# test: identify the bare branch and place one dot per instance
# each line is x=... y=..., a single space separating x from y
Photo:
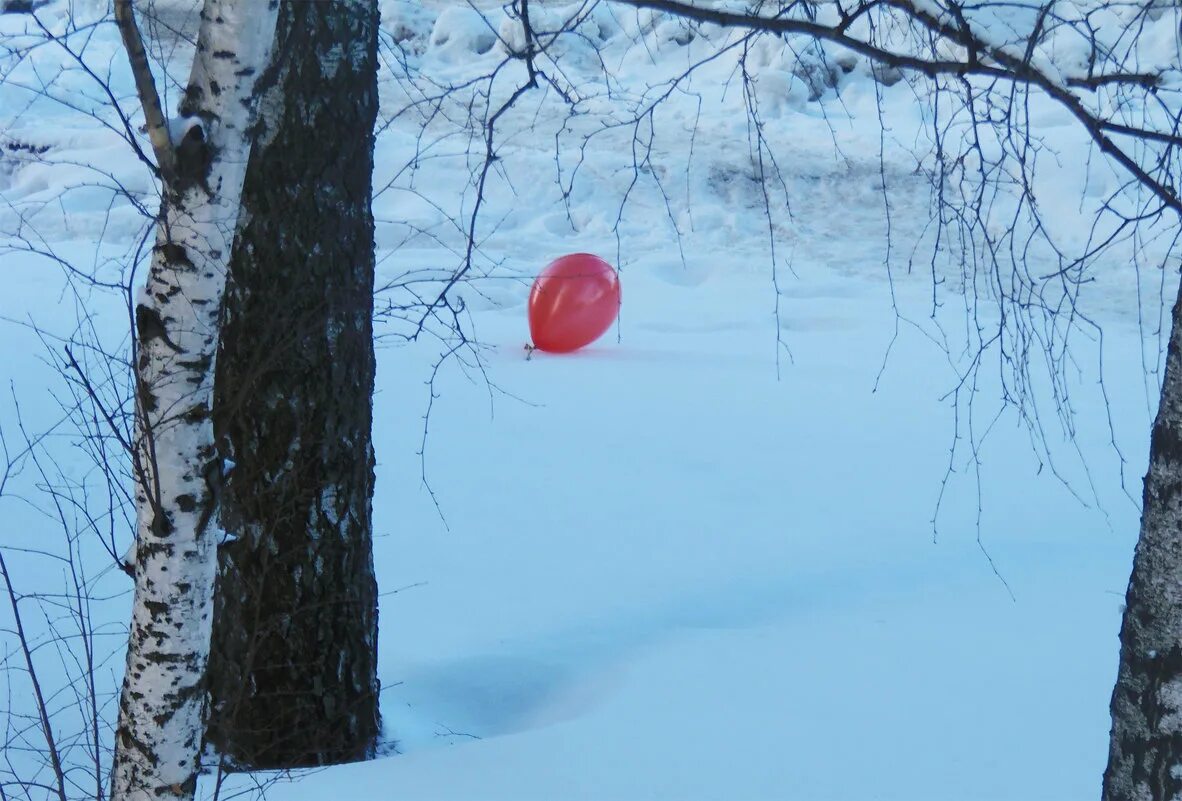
x=145 y=86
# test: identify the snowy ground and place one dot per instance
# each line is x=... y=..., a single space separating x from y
x=679 y=578
x=697 y=560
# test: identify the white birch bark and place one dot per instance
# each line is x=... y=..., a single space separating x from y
x=162 y=704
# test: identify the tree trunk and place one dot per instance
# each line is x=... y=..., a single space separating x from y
x=177 y=466
x=1145 y=750
x=293 y=676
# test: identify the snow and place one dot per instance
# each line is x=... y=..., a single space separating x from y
x=179 y=127
x=747 y=545
x=678 y=578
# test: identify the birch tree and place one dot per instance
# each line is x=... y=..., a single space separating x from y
x=201 y=162
x=293 y=670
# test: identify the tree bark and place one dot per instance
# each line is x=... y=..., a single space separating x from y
x=1145 y=749
x=293 y=676
x=178 y=469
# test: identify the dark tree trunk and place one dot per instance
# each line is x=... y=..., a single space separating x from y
x=292 y=674
x=1145 y=751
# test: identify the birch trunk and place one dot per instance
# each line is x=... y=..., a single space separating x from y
x=1145 y=749
x=178 y=468
x=293 y=667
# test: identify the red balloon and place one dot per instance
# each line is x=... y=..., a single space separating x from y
x=573 y=302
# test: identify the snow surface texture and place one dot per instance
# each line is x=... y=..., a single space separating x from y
x=694 y=560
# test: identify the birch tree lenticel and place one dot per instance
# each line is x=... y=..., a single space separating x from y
x=201 y=162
